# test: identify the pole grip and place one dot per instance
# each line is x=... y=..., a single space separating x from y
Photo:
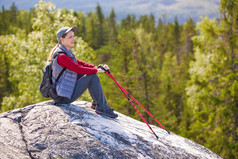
x=100 y=66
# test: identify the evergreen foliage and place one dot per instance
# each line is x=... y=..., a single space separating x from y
x=184 y=74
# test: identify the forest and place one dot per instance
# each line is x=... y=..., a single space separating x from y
x=184 y=74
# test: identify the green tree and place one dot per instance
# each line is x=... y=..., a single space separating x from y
x=129 y=22
x=5 y=84
x=3 y=24
x=147 y=65
x=176 y=39
x=147 y=23
x=81 y=25
x=161 y=38
x=112 y=28
x=166 y=99
x=212 y=91
x=91 y=31
x=13 y=13
x=189 y=31
x=101 y=30
x=229 y=18
x=123 y=68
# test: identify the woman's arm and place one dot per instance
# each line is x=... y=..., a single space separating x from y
x=85 y=64
x=65 y=61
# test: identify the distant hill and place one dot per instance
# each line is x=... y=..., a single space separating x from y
x=183 y=9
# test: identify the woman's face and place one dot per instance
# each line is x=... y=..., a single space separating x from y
x=68 y=40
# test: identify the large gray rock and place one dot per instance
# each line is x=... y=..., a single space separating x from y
x=76 y=131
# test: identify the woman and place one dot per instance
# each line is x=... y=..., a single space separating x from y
x=78 y=75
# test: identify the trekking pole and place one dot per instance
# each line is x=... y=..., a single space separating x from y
x=144 y=109
x=134 y=107
x=126 y=93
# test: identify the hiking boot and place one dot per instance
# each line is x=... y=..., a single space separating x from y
x=106 y=112
x=93 y=106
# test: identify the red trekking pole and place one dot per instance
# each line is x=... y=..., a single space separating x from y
x=128 y=96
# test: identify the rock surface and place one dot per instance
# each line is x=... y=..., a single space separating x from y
x=75 y=131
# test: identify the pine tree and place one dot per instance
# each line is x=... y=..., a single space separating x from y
x=176 y=39
x=147 y=23
x=91 y=31
x=189 y=32
x=13 y=13
x=124 y=68
x=166 y=100
x=129 y=22
x=81 y=25
x=112 y=28
x=161 y=40
x=146 y=60
x=3 y=23
x=101 y=31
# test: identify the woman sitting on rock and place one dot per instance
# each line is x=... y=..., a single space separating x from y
x=78 y=75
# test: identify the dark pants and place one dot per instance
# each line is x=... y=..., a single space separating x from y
x=93 y=84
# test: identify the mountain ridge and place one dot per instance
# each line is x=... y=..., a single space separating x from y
x=172 y=8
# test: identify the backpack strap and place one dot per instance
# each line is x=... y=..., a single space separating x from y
x=57 y=54
x=60 y=74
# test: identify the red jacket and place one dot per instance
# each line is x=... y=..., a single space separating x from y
x=80 y=67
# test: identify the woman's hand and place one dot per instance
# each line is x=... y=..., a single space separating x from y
x=100 y=70
x=106 y=67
